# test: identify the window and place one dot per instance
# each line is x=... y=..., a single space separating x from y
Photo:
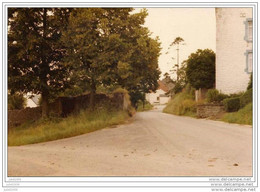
x=249 y=30
x=249 y=61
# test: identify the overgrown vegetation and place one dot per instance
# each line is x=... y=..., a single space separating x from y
x=243 y=116
x=70 y=51
x=246 y=98
x=57 y=128
x=182 y=104
x=231 y=104
x=16 y=101
x=214 y=96
x=147 y=106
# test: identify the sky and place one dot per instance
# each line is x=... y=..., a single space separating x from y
x=197 y=26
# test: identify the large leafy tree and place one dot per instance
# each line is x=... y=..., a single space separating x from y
x=108 y=46
x=145 y=74
x=35 y=51
x=96 y=47
x=143 y=63
x=201 y=69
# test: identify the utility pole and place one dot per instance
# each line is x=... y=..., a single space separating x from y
x=178 y=49
x=177 y=42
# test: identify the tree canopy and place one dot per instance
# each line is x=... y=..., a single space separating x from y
x=35 y=52
x=201 y=69
x=111 y=47
x=51 y=49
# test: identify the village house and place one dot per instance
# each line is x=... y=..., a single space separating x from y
x=32 y=100
x=159 y=96
x=234 y=53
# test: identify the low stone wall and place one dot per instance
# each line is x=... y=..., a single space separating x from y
x=63 y=106
x=18 y=117
x=209 y=110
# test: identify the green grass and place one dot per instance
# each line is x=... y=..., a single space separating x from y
x=243 y=116
x=58 y=128
x=148 y=106
x=181 y=104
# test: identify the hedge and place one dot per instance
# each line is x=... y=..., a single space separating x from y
x=246 y=98
x=214 y=96
x=232 y=104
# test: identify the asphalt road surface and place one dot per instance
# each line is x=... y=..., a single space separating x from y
x=151 y=144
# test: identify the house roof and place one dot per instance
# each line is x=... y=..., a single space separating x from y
x=168 y=82
x=162 y=86
x=36 y=99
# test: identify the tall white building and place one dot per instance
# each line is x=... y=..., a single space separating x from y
x=233 y=49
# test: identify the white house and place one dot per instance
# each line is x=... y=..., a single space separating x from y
x=32 y=100
x=233 y=49
x=158 y=97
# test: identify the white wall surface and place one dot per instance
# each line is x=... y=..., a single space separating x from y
x=231 y=48
x=30 y=103
x=152 y=97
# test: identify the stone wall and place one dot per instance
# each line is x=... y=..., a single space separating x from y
x=63 y=106
x=18 y=117
x=209 y=110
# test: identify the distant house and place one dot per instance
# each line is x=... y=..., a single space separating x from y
x=233 y=49
x=32 y=100
x=159 y=97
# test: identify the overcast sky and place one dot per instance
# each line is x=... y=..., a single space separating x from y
x=197 y=26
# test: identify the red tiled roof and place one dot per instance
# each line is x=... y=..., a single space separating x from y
x=162 y=86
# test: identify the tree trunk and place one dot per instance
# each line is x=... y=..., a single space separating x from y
x=92 y=96
x=45 y=105
x=143 y=100
x=45 y=93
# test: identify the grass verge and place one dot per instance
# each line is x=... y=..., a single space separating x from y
x=243 y=116
x=148 y=106
x=58 y=128
x=181 y=104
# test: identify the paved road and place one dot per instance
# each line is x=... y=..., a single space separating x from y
x=152 y=144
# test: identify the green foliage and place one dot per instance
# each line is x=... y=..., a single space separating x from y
x=243 y=116
x=178 y=87
x=146 y=107
x=120 y=90
x=232 y=104
x=34 y=49
x=16 y=101
x=190 y=90
x=246 y=98
x=58 y=128
x=214 y=96
x=60 y=51
x=181 y=104
x=250 y=84
x=110 y=47
x=201 y=69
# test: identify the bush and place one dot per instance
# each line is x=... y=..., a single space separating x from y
x=243 y=116
x=232 y=104
x=16 y=101
x=147 y=106
x=246 y=98
x=214 y=96
x=181 y=104
x=190 y=90
x=250 y=84
x=239 y=94
x=187 y=106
